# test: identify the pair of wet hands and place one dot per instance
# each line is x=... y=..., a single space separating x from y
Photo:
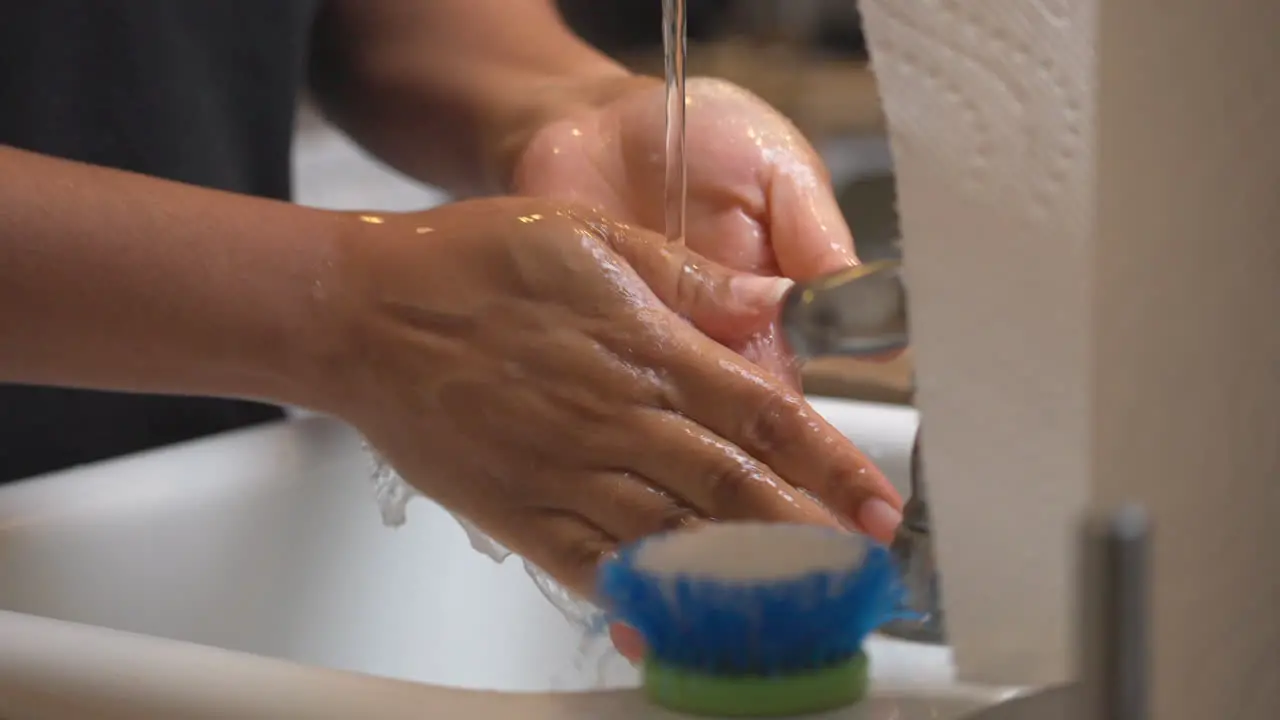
x=570 y=381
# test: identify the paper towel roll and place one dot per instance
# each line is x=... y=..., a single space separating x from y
x=989 y=107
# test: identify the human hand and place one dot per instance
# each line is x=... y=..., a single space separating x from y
x=759 y=198
x=527 y=365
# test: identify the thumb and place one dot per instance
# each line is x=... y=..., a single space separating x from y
x=725 y=304
x=809 y=232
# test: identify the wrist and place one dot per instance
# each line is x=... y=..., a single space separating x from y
x=323 y=365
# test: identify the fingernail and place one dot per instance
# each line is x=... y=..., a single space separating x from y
x=879 y=519
x=759 y=290
x=627 y=641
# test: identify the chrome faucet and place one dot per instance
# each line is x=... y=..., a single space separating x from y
x=859 y=312
x=913 y=548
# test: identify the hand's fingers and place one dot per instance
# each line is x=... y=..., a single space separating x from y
x=743 y=404
x=733 y=236
x=740 y=402
x=727 y=305
x=715 y=477
x=628 y=506
x=769 y=352
x=808 y=232
x=567 y=545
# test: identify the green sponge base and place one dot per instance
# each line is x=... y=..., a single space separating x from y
x=810 y=691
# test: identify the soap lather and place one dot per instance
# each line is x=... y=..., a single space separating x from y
x=862 y=312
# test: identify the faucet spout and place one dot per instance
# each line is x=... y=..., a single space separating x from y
x=856 y=312
x=913 y=549
x=861 y=312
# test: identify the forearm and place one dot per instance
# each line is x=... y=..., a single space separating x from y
x=116 y=281
x=447 y=90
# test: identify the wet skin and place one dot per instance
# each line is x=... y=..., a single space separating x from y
x=759 y=198
x=571 y=386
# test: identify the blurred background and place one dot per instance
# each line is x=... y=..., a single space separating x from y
x=807 y=58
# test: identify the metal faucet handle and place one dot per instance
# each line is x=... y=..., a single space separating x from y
x=855 y=312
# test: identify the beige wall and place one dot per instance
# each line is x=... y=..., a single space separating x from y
x=1187 y=334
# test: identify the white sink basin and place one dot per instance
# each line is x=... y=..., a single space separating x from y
x=268 y=542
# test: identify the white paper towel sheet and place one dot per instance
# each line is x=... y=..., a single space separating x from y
x=989 y=105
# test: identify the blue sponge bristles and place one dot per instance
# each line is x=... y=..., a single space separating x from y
x=808 y=620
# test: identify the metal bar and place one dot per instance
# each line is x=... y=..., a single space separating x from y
x=1114 y=582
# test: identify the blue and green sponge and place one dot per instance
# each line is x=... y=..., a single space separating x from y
x=754 y=619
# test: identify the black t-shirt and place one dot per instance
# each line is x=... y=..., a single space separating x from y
x=199 y=91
